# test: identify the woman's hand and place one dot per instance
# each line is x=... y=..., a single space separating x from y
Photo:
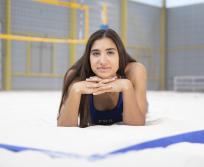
x=85 y=87
x=92 y=84
x=95 y=85
x=117 y=85
x=108 y=85
x=100 y=80
x=89 y=86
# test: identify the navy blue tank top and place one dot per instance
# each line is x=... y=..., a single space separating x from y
x=107 y=117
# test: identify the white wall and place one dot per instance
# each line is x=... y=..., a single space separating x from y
x=176 y=3
x=150 y=2
x=170 y=3
x=1 y=64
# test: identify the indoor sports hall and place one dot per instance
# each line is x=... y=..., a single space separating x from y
x=41 y=39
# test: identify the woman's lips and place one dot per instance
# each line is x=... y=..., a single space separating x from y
x=103 y=69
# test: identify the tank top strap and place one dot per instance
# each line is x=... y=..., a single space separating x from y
x=120 y=101
x=91 y=105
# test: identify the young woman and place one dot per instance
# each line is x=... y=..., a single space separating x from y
x=104 y=86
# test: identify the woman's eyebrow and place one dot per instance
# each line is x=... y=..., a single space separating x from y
x=94 y=50
x=111 y=49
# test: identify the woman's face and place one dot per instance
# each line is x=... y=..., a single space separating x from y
x=104 y=58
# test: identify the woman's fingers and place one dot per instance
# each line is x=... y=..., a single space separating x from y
x=108 y=80
x=103 y=89
x=98 y=85
x=93 y=79
x=92 y=85
x=100 y=80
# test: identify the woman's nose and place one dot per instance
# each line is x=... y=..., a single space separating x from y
x=103 y=59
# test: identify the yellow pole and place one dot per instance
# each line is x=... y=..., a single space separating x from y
x=40 y=39
x=72 y=4
x=86 y=11
x=28 y=57
x=53 y=58
x=123 y=24
x=7 y=64
x=163 y=46
x=104 y=15
x=72 y=34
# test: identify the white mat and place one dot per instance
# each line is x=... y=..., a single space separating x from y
x=29 y=119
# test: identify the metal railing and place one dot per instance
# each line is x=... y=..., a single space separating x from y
x=9 y=37
x=189 y=83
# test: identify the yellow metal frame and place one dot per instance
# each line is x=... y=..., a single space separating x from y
x=28 y=72
x=73 y=33
x=41 y=39
x=7 y=65
x=104 y=14
x=28 y=58
x=85 y=8
x=163 y=47
x=187 y=47
x=53 y=69
x=72 y=5
x=152 y=66
x=33 y=74
x=11 y=37
x=123 y=23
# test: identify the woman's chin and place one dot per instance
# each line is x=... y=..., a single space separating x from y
x=105 y=76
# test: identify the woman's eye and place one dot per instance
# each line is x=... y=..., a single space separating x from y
x=110 y=53
x=95 y=53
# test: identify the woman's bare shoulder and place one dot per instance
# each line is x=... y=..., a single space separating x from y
x=134 y=69
x=136 y=73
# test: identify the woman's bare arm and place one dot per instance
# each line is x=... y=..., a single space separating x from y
x=69 y=111
x=70 y=108
x=134 y=95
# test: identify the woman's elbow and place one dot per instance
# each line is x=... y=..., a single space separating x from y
x=138 y=123
x=135 y=122
x=61 y=123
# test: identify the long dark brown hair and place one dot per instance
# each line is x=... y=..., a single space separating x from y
x=82 y=70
